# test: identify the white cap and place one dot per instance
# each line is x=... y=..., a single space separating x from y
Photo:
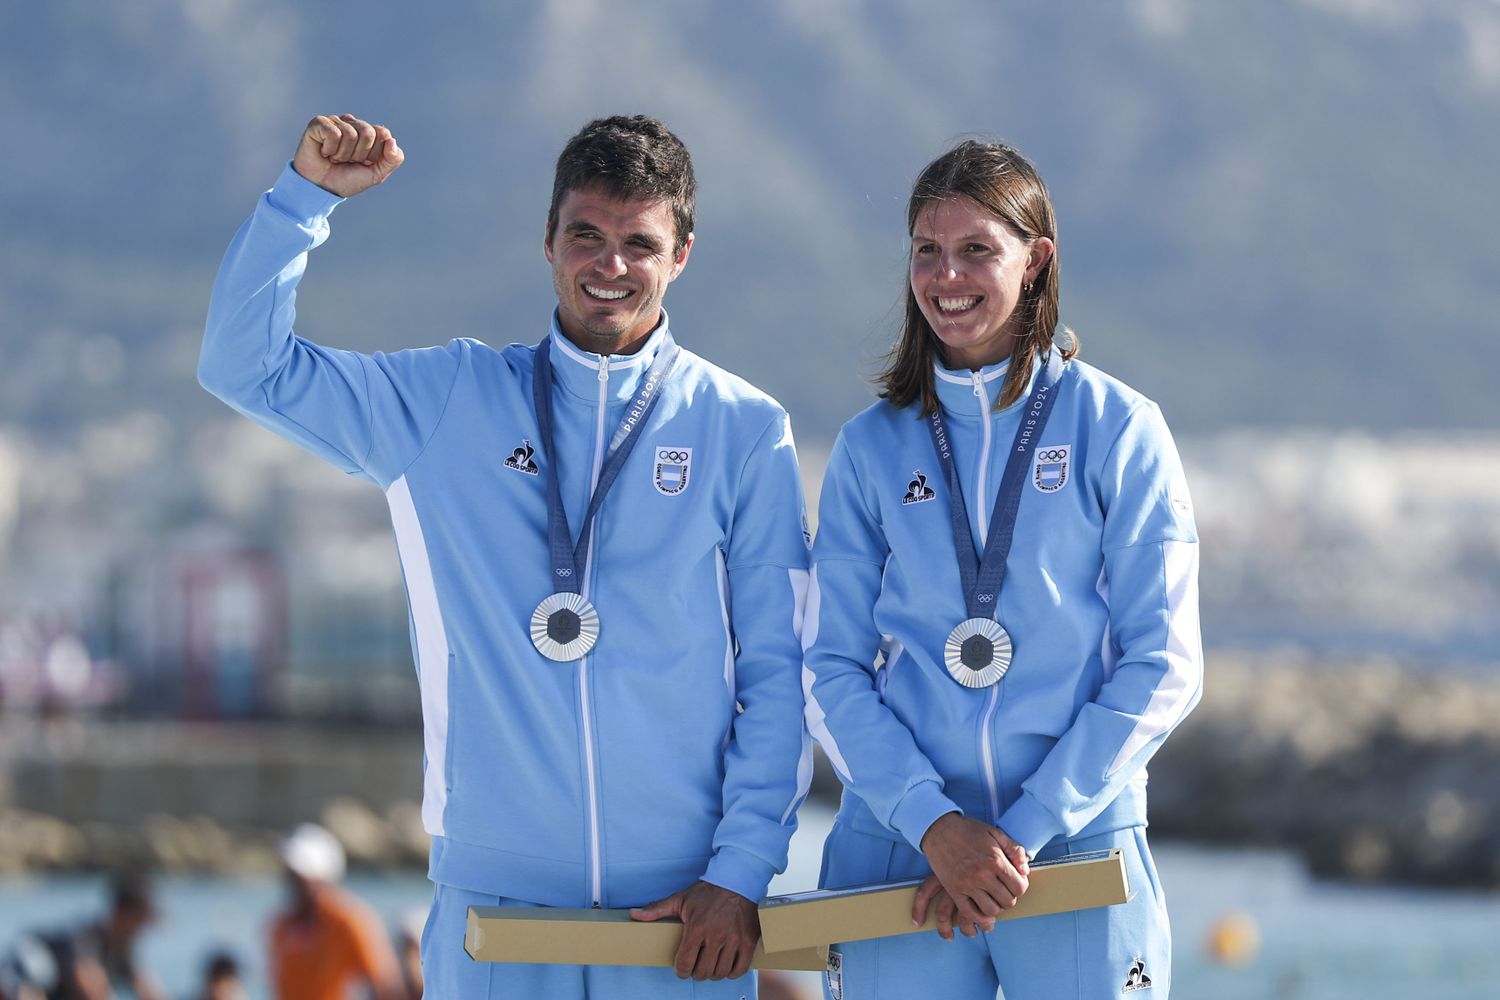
x=313 y=853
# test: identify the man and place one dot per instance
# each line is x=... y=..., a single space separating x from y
x=604 y=553
x=409 y=952
x=97 y=961
x=28 y=969
x=222 y=979
x=326 y=942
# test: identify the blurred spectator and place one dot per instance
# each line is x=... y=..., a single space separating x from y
x=27 y=970
x=409 y=951
x=221 y=978
x=97 y=961
x=46 y=667
x=326 y=942
x=21 y=680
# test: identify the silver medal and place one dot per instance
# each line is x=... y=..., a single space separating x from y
x=977 y=653
x=564 y=627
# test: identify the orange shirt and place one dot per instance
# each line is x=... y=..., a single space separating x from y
x=341 y=945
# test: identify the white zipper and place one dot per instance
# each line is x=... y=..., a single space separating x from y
x=982 y=494
x=981 y=484
x=596 y=877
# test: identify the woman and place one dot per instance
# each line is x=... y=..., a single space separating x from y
x=1002 y=626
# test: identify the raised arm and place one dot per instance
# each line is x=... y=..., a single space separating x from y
x=366 y=414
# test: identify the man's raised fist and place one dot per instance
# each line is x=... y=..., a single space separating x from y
x=346 y=155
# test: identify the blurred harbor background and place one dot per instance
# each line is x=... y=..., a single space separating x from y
x=1247 y=924
x=1277 y=221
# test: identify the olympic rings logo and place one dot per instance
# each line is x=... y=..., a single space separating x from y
x=1053 y=455
x=673 y=456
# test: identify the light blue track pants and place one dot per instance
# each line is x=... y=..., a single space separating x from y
x=450 y=974
x=1086 y=954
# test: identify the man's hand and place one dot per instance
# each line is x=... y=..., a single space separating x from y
x=944 y=910
x=345 y=155
x=982 y=870
x=720 y=929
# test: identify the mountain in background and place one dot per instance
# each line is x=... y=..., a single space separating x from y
x=1272 y=214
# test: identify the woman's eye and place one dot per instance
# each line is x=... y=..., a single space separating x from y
x=978 y=248
x=926 y=248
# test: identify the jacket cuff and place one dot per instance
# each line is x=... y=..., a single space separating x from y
x=301 y=199
x=921 y=807
x=739 y=871
x=1029 y=824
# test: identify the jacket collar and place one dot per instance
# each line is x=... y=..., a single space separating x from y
x=577 y=371
x=960 y=390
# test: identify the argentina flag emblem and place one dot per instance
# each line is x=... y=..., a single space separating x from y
x=1050 y=472
x=673 y=466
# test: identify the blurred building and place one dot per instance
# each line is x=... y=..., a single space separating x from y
x=203 y=632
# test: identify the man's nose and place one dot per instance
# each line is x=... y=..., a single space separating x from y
x=611 y=264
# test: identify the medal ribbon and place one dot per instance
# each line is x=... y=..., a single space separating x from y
x=566 y=559
x=982 y=580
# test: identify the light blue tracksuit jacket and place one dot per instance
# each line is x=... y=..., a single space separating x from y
x=675 y=750
x=1100 y=600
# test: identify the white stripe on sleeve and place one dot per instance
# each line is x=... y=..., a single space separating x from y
x=1184 y=653
x=723 y=576
x=817 y=719
x=799 y=580
x=432 y=652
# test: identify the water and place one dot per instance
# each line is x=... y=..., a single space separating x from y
x=1319 y=941
x=1324 y=941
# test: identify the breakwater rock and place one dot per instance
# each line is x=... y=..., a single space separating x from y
x=203 y=798
x=33 y=842
x=1371 y=770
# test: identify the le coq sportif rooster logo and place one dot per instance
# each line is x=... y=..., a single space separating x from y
x=520 y=459
x=917 y=490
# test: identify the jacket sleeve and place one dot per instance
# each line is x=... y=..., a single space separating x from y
x=767 y=754
x=1153 y=655
x=874 y=753
x=369 y=415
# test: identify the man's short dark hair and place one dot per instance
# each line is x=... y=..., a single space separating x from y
x=221 y=965
x=132 y=892
x=628 y=157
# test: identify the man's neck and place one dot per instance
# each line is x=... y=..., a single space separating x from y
x=606 y=345
x=304 y=903
x=623 y=346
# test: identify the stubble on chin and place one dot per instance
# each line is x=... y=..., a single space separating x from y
x=604 y=339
